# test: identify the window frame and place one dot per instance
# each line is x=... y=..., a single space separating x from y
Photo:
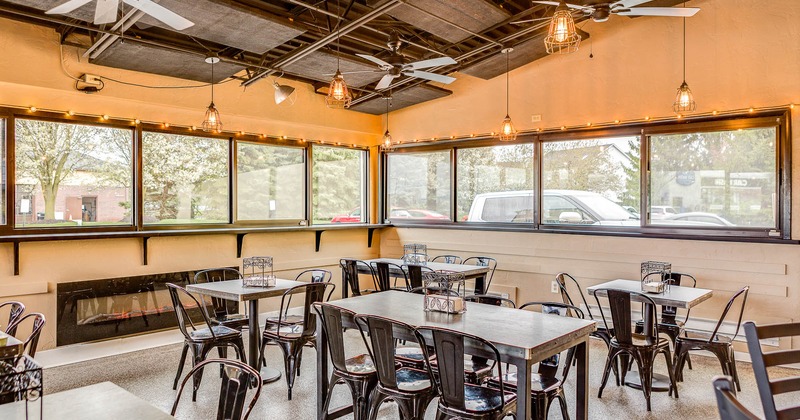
x=365 y=193
x=453 y=153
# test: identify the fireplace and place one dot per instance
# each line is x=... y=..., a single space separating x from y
x=109 y=308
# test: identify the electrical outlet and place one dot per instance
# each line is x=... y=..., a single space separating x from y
x=91 y=79
x=536 y=118
x=553 y=287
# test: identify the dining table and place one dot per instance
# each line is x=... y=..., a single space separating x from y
x=476 y=272
x=522 y=337
x=677 y=296
x=235 y=290
x=101 y=401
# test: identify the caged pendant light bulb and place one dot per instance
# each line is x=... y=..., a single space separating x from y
x=212 y=122
x=507 y=131
x=387 y=143
x=339 y=95
x=562 y=37
x=684 y=100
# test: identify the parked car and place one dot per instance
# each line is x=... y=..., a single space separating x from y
x=661 y=212
x=353 y=217
x=417 y=214
x=697 y=216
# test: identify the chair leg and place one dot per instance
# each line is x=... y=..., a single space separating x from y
x=681 y=353
x=612 y=354
x=238 y=345
x=199 y=354
x=375 y=401
x=562 y=401
x=180 y=365
x=645 y=373
x=673 y=385
x=733 y=370
x=361 y=391
x=290 y=351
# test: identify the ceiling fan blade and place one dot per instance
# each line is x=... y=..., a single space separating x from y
x=385 y=82
x=430 y=76
x=433 y=62
x=67 y=7
x=571 y=6
x=520 y=22
x=626 y=3
x=375 y=60
x=354 y=72
x=660 y=11
x=161 y=13
x=105 y=11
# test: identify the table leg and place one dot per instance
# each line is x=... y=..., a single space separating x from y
x=322 y=370
x=659 y=383
x=479 y=285
x=582 y=379
x=523 y=388
x=254 y=346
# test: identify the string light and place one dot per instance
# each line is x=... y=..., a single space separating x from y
x=71 y=113
x=137 y=122
x=32 y=109
x=105 y=117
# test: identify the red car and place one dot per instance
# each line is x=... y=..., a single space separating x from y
x=404 y=214
x=353 y=217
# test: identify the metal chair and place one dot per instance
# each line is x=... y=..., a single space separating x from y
x=350 y=279
x=447 y=259
x=15 y=310
x=643 y=348
x=720 y=345
x=314 y=275
x=459 y=399
x=291 y=338
x=31 y=343
x=546 y=385
x=414 y=274
x=237 y=377
x=385 y=271
x=358 y=372
x=200 y=340
x=763 y=360
x=226 y=312
x=483 y=261
x=412 y=389
x=728 y=405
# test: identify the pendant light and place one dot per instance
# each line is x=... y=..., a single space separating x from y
x=507 y=131
x=562 y=37
x=387 y=144
x=339 y=95
x=684 y=100
x=211 y=122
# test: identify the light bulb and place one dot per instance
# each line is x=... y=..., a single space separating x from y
x=685 y=99
x=562 y=29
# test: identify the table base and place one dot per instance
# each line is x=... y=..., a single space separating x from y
x=660 y=382
x=270 y=375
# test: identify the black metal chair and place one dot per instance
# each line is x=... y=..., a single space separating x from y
x=643 y=348
x=350 y=278
x=200 y=340
x=447 y=259
x=412 y=389
x=385 y=272
x=728 y=405
x=764 y=360
x=720 y=345
x=237 y=377
x=291 y=338
x=483 y=261
x=225 y=312
x=358 y=372
x=15 y=310
x=476 y=368
x=414 y=274
x=31 y=343
x=314 y=275
x=546 y=385
x=459 y=399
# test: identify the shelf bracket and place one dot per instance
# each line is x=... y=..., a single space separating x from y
x=144 y=249
x=318 y=234
x=239 y=244
x=370 y=232
x=16 y=258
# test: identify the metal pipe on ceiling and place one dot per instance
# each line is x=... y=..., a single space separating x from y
x=107 y=40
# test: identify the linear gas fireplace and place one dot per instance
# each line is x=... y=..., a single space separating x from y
x=109 y=308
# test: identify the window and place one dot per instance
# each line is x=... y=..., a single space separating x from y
x=270 y=182
x=338 y=185
x=185 y=179
x=418 y=188
x=72 y=175
x=495 y=184
x=591 y=182
x=3 y=175
x=719 y=179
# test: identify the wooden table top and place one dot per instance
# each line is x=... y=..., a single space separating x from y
x=466 y=269
x=677 y=296
x=517 y=333
x=234 y=290
x=101 y=401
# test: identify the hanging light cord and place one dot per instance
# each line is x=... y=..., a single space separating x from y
x=387 y=115
x=338 y=32
x=507 y=90
x=684 y=46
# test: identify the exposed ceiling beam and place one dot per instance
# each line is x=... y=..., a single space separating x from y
x=107 y=40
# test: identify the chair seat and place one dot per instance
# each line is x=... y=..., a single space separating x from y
x=482 y=399
x=286 y=331
x=360 y=365
x=231 y=320
x=640 y=340
x=412 y=380
x=220 y=331
x=474 y=372
x=700 y=339
x=539 y=383
x=287 y=319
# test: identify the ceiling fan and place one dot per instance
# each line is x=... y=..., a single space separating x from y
x=396 y=64
x=106 y=11
x=600 y=12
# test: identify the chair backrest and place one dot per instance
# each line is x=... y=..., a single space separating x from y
x=728 y=405
x=619 y=302
x=383 y=274
x=414 y=275
x=315 y=275
x=741 y=293
x=763 y=360
x=220 y=306
x=331 y=318
x=562 y=280
x=549 y=366
x=15 y=310
x=674 y=278
x=447 y=259
x=177 y=294
x=383 y=334
x=314 y=293
x=450 y=347
x=31 y=343
x=350 y=274
x=484 y=261
x=237 y=378
x=491 y=300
